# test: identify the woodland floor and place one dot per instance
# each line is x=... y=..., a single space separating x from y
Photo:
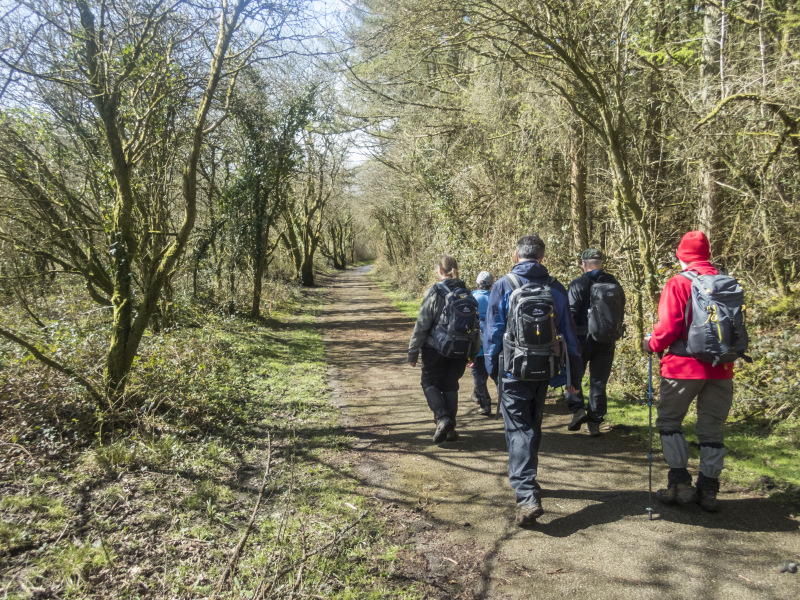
x=456 y=506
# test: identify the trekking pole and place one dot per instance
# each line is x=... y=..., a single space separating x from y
x=650 y=448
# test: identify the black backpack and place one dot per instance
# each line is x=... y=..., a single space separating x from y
x=715 y=327
x=533 y=349
x=606 y=312
x=457 y=331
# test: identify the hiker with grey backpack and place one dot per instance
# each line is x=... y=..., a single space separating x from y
x=447 y=335
x=597 y=305
x=701 y=331
x=528 y=342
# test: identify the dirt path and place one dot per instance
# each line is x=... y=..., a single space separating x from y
x=594 y=540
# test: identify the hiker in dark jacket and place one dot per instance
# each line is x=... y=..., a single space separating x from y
x=598 y=355
x=440 y=375
x=522 y=402
x=684 y=378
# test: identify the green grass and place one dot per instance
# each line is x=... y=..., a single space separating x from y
x=403 y=301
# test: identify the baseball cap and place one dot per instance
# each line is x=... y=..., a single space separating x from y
x=485 y=279
x=592 y=254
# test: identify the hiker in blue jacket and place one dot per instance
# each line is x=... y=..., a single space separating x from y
x=522 y=402
x=480 y=392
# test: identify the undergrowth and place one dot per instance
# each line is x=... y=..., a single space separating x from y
x=149 y=498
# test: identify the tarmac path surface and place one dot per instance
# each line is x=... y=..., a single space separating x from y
x=595 y=539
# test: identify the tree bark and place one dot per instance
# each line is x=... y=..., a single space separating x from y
x=577 y=154
x=709 y=216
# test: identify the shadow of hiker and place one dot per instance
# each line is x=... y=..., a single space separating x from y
x=740 y=514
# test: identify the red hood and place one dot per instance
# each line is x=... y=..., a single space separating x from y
x=703 y=267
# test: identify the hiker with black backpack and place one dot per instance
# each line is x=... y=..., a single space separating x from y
x=528 y=341
x=447 y=334
x=597 y=304
x=701 y=332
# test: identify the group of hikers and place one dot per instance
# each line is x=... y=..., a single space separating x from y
x=527 y=333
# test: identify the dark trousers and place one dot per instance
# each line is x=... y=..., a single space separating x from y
x=440 y=372
x=522 y=403
x=600 y=358
x=479 y=373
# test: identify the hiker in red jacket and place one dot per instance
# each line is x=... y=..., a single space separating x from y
x=684 y=378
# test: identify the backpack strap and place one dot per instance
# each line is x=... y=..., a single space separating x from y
x=443 y=291
x=516 y=283
x=692 y=276
x=514 y=280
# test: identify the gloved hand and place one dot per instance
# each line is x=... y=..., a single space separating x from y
x=646 y=345
x=413 y=356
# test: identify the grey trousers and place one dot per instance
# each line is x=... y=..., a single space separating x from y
x=714 y=401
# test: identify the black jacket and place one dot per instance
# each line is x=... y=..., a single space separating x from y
x=579 y=297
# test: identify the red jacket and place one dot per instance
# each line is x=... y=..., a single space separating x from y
x=672 y=326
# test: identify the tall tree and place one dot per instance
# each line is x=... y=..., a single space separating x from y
x=126 y=66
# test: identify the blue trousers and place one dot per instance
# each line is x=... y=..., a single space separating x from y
x=522 y=403
x=479 y=373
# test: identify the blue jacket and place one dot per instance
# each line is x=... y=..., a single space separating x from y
x=482 y=296
x=497 y=313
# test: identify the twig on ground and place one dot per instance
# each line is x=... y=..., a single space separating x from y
x=261 y=591
x=17 y=446
x=237 y=552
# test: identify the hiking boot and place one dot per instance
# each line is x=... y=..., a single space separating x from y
x=443 y=427
x=527 y=515
x=578 y=419
x=707 y=499
x=486 y=406
x=593 y=428
x=678 y=493
x=451 y=436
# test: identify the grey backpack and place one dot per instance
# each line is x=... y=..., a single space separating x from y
x=715 y=324
x=533 y=349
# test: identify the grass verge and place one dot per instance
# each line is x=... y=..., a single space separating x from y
x=406 y=302
x=152 y=501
